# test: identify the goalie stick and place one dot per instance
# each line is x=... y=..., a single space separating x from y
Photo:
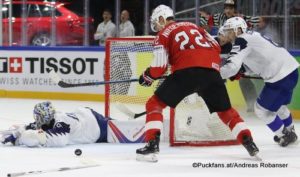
x=55 y=77
x=5 y=132
x=50 y=170
x=132 y=115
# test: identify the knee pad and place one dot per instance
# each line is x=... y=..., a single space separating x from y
x=264 y=114
x=283 y=112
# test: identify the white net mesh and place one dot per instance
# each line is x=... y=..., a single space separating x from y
x=128 y=58
x=193 y=122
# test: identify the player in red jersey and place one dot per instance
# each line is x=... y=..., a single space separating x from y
x=194 y=59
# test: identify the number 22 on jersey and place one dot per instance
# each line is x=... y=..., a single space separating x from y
x=186 y=40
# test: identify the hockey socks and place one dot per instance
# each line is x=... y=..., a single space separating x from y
x=237 y=126
x=288 y=122
x=276 y=126
x=154 y=118
x=286 y=117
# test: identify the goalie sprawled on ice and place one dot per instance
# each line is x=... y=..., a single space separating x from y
x=55 y=129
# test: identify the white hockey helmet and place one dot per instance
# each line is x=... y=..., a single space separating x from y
x=43 y=113
x=161 y=10
x=231 y=3
x=235 y=23
x=221 y=31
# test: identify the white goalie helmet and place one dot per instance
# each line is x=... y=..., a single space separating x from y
x=161 y=10
x=43 y=113
x=235 y=23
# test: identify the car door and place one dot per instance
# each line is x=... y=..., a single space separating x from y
x=16 y=24
x=38 y=26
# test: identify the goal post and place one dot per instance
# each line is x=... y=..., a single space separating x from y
x=126 y=58
x=191 y=124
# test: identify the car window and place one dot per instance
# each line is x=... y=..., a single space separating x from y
x=75 y=9
x=5 y=11
x=16 y=11
x=47 y=11
x=34 y=10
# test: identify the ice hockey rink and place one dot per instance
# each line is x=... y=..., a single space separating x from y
x=119 y=159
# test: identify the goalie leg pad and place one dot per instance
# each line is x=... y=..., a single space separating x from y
x=154 y=118
x=237 y=126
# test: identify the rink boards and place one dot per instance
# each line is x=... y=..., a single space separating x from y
x=24 y=74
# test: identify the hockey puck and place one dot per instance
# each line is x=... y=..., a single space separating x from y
x=78 y=152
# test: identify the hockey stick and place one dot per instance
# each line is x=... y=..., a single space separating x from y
x=63 y=84
x=50 y=170
x=251 y=77
x=69 y=85
x=10 y=131
x=55 y=77
x=4 y=132
x=121 y=107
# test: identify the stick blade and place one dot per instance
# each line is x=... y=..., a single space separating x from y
x=64 y=84
x=121 y=107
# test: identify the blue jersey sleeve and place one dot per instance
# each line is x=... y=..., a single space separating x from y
x=239 y=44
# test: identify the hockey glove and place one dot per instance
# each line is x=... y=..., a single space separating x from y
x=240 y=74
x=10 y=139
x=237 y=76
x=31 y=126
x=145 y=79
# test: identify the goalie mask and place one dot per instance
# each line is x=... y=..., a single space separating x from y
x=235 y=23
x=43 y=113
x=160 y=11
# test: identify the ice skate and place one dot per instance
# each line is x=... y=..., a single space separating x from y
x=250 y=146
x=288 y=137
x=148 y=153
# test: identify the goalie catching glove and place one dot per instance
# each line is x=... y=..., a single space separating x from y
x=145 y=79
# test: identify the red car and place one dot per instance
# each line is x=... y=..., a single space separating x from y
x=69 y=26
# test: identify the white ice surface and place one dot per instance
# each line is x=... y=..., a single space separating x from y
x=119 y=159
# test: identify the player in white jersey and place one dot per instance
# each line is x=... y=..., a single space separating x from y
x=256 y=54
x=56 y=129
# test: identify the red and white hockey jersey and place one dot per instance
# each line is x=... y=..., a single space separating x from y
x=184 y=45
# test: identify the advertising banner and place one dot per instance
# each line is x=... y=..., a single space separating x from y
x=27 y=70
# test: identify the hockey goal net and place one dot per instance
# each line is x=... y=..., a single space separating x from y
x=190 y=123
